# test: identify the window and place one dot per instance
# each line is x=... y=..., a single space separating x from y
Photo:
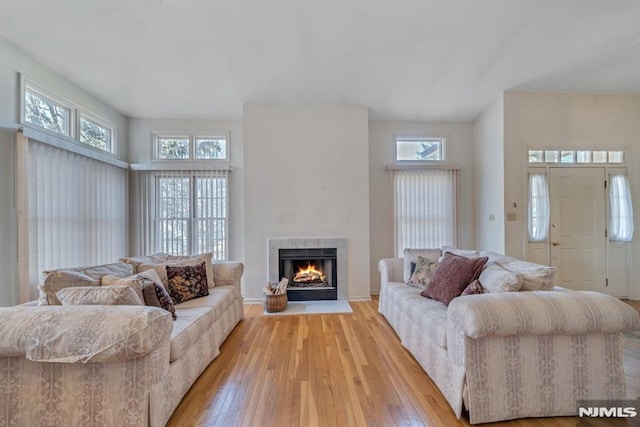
x=538 y=207
x=621 y=226
x=96 y=134
x=73 y=210
x=576 y=156
x=49 y=112
x=191 y=212
x=43 y=111
x=420 y=149
x=425 y=208
x=190 y=147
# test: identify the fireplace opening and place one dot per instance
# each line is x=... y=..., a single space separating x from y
x=312 y=273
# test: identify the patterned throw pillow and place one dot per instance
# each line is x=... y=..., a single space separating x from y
x=474 y=288
x=187 y=282
x=423 y=273
x=452 y=277
x=157 y=296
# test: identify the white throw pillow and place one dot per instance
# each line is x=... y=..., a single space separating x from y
x=467 y=253
x=411 y=256
x=497 y=279
x=99 y=295
x=535 y=277
x=135 y=282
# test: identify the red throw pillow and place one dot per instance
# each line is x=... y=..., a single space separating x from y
x=452 y=277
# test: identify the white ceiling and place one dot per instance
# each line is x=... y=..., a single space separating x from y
x=404 y=59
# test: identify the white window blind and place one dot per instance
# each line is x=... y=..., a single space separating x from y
x=539 y=207
x=621 y=227
x=425 y=208
x=183 y=212
x=74 y=212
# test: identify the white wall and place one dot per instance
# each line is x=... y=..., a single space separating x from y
x=140 y=152
x=381 y=141
x=13 y=62
x=488 y=145
x=306 y=175
x=567 y=120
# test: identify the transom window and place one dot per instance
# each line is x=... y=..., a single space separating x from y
x=95 y=133
x=43 y=111
x=47 y=111
x=190 y=147
x=576 y=156
x=420 y=150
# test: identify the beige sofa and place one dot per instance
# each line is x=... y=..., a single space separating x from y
x=111 y=365
x=512 y=354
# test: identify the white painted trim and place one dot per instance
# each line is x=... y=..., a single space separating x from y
x=73 y=146
x=414 y=166
x=100 y=122
x=180 y=166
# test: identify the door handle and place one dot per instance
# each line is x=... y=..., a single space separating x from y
x=554 y=243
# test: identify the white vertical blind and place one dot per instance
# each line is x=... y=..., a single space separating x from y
x=621 y=227
x=539 y=207
x=75 y=211
x=425 y=208
x=183 y=211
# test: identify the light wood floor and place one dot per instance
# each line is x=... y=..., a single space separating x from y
x=331 y=370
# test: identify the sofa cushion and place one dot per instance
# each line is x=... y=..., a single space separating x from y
x=99 y=295
x=474 y=288
x=423 y=272
x=134 y=282
x=411 y=255
x=452 y=276
x=219 y=298
x=496 y=279
x=467 y=253
x=161 y=269
x=187 y=282
x=427 y=317
x=155 y=295
x=55 y=280
x=207 y=258
x=135 y=262
x=190 y=325
x=535 y=277
x=70 y=334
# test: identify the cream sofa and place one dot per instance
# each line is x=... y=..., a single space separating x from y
x=111 y=366
x=512 y=354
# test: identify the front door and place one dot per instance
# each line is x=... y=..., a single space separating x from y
x=577 y=227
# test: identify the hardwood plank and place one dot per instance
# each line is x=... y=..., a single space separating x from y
x=332 y=370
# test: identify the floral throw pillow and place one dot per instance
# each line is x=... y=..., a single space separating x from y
x=423 y=273
x=157 y=296
x=187 y=282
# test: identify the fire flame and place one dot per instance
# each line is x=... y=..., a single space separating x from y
x=308 y=274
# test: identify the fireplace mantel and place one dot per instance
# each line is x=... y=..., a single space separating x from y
x=340 y=243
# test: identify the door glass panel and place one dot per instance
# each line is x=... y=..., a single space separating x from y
x=599 y=157
x=551 y=156
x=536 y=156
x=568 y=157
x=616 y=157
x=583 y=156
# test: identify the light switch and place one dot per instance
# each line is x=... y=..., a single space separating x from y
x=512 y=216
x=492 y=217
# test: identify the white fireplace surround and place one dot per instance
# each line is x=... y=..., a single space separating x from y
x=340 y=243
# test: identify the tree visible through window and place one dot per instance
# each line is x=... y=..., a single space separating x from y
x=94 y=134
x=45 y=113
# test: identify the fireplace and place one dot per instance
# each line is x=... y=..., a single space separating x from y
x=312 y=273
x=291 y=256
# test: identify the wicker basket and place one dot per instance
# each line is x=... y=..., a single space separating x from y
x=275 y=303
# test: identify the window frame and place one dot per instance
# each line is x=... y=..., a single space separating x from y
x=112 y=144
x=28 y=85
x=192 y=137
x=76 y=112
x=192 y=238
x=444 y=149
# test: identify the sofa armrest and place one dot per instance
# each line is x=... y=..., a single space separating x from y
x=228 y=273
x=390 y=270
x=82 y=334
x=539 y=313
